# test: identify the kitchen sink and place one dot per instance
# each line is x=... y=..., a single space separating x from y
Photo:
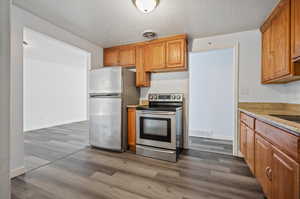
x=292 y=118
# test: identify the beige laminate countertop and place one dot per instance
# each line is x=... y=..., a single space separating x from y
x=263 y=112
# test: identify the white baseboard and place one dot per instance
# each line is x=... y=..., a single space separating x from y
x=17 y=172
x=195 y=133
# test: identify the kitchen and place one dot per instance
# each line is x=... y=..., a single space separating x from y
x=142 y=101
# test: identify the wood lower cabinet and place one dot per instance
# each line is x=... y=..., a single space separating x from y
x=250 y=149
x=243 y=139
x=155 y=56
x=273 y=156
x=263 y=164
x=285 y=176
x=247 y=145
x=131 y=131
x=295 y=30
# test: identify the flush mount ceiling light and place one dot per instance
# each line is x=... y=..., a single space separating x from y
x=146 y=6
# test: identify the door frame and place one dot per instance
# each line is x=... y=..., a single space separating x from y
x=235 y=46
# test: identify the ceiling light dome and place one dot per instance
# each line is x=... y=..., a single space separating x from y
x=146 y=6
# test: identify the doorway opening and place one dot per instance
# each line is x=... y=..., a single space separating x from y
x=55 y=99
x=213 y=94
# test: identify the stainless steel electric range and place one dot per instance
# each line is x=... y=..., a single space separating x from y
x=160 y=127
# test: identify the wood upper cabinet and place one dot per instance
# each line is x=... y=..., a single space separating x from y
x=127 y=55
x=159 y=55
x=142 y=77
x=111 y=56
x=176 y=53
x=295 y=29
x=155 y=56
x=120 y=56
x=285 y=176
x=131 y=136
x=267 y=55
x=263 y=164
x=279 y=39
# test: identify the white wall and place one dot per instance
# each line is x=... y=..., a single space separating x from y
x=21 y=19
x=4 y=99
x=212 y=84
x=55 y=82
x=250 y=88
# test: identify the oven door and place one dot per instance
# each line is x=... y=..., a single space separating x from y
x=156 y=128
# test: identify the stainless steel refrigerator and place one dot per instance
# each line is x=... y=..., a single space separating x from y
x=110 y=91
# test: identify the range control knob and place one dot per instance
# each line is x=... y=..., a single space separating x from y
x=178 y=97
x=173 y=97
x=151 y=97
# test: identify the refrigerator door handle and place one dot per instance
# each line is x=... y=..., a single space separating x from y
x=111 y=95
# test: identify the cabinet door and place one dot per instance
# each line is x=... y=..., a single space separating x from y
x=250 y=149
x=131 y=128
x=155 y=56
x=111 y=56
x=243 y=139
x=127 y=56
x=267 y=64
x=176 y=54
x=295 y=29
x=263 y=164
x=280 y=43
x=142 y=77
x=285 y=176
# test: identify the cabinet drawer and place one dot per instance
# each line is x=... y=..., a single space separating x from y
x=249 y=121
x=287 y=142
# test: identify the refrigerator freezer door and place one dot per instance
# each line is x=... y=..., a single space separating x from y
x=106 y=80
x=106 y=123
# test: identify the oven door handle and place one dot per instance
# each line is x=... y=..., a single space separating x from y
x=157 y=113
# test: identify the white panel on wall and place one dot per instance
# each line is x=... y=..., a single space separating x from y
x=212 y=94
x=20 y=19
x=250 y=87
x=55 y=82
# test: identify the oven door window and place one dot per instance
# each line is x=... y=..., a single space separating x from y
x=158 y=129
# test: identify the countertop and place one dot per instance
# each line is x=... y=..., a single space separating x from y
x=262 y=111
x=133 y=106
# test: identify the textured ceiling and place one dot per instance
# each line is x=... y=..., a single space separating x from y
x=112 y=22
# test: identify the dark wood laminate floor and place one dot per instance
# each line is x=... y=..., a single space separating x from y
x=95 y=174
x=211 y=145
x=44 y=146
